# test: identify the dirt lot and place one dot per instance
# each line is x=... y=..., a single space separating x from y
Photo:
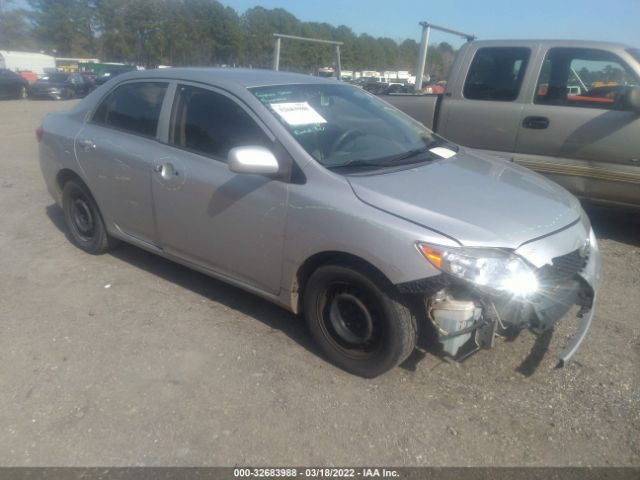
x=128 y=359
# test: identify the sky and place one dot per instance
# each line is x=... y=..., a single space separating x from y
x=610 y=20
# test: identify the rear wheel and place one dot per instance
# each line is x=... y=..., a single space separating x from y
x=83 y=219
x=360 y=326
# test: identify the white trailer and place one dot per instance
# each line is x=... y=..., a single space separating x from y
x=34 y=62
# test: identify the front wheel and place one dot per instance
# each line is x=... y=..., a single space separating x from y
x=83 y=219
x=358 y=324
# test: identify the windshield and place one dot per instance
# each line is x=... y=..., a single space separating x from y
x=343 y=126
x=56 y=77
x=635 y=53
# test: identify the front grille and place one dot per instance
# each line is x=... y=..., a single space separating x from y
x=563 y=268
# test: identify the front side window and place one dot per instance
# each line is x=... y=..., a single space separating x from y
x=496 y=73
x=132 y=107
x=210 y=123
x=582 y=77
x=343 y=126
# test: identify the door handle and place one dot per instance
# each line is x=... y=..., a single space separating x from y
x=87 y=144
x=536 y=123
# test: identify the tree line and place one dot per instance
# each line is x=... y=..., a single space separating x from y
x=199 y=33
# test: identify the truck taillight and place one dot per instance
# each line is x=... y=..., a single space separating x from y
x=39 y=133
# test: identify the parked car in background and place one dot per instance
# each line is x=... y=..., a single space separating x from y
x=12 y=85
x=319 y=197
x=59 y=86
x=114 y=72
x=567 y=109
x=89 y=76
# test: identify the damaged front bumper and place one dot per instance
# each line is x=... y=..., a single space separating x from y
x=467 y=319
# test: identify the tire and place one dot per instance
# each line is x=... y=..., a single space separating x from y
x=361 y=327
x=83 y=219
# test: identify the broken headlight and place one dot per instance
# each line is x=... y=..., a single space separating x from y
x=491 y=269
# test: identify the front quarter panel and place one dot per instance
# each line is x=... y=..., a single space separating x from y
x=324 y=215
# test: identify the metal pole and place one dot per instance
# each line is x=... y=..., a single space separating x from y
x=422 y=56
x=338 y=64
x=276 y=55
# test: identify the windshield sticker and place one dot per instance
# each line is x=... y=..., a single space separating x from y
x=442 y=152
x=300 y=113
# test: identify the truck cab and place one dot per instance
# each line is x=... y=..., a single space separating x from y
x=567 y=109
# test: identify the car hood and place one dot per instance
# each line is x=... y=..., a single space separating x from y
x=475 y=199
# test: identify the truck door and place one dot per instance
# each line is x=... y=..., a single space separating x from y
x=482 y=109
x=576 y=129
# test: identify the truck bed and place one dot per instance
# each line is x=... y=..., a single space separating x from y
x=419 y=106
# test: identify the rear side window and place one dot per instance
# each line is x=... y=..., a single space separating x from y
x=133 y=107
x=207 y=122
x=496 y=73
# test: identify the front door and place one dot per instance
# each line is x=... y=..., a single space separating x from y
x=207 y=215
x=577 y=132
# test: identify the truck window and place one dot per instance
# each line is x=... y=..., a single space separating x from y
x=496 y=73
x=582 y=77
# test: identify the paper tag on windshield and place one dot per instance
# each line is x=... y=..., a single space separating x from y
x=300 y=113
x=442 y=152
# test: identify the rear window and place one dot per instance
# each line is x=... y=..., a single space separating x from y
x=496 y=73
x=132 y=107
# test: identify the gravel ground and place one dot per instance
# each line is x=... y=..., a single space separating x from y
x=129 y=359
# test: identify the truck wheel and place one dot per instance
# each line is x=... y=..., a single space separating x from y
x=83 y=219
x=358 y=325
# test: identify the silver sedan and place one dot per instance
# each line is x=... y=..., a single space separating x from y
x=325 y=200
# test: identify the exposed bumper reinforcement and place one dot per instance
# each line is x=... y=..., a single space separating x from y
x=575 y=342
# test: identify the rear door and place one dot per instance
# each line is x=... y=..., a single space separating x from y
x=117 y=149
x=482 y=108
x=232 y=224
x=574 y=128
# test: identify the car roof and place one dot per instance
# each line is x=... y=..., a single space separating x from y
x=550 y=43
x=246 y=78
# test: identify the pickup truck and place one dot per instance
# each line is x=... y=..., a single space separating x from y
x=518 y=100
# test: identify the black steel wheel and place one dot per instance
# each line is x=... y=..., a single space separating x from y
x=83 y=219
x=361 y=326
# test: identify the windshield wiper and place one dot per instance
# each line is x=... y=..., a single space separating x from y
x=409 y=154
x=357 y=162
x=393 y=161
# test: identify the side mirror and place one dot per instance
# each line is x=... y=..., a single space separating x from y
x=253 y=159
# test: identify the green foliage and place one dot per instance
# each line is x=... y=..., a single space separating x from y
x=15 y=30
x=201 y=32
